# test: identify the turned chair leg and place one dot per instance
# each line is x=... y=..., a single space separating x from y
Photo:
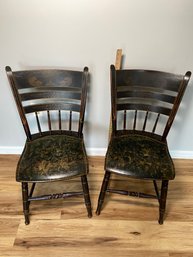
x=86 y=195
x=103 y=192
x=162 y=204
x=25 y=202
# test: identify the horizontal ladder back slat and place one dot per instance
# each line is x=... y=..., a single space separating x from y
x=38 y=89
x=144 y=107
x=148 y=78
x=52 y=106
x=52 y=94
x=48 y=78
x=146 y=95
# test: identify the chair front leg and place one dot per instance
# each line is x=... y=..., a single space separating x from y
x=103 y=191
x=162 y=206
x=86 y=195
x=25 y=202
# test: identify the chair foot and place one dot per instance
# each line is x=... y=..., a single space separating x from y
x=26 y=219
x=89 y=213
x=89 y=209
x=103 y=192
x=161 y=217
x=164 y=190
x=86 y=195
x=98 y=211
x=25 y=202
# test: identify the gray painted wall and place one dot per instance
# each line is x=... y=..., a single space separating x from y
x=77 y=33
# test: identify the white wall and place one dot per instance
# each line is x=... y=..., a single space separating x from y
x=154 y=34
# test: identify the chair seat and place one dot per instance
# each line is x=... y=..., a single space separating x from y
x=139 y=156
x=53 y=157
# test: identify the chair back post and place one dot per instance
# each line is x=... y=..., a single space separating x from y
x=113 y=100
x=18 y=101
x=83 y=100
x=178 y=99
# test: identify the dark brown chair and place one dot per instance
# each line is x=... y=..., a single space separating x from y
x=51 y=104
x=144 y=104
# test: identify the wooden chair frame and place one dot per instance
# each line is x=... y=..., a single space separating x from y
x=25 y=86
x=127 y=78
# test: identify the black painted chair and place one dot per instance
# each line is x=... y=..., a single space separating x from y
x=51 y=104
x=144 y=104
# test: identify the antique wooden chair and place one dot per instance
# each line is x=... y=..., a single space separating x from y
x=51 y=104
x=144 y=104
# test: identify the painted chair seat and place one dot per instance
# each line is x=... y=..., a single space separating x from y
x=53 y=157
x=139 y=156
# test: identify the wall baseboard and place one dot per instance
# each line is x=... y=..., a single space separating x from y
x=95 y=152
x=11 y=149
x=181 y=154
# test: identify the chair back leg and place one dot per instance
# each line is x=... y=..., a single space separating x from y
x=25 y=202
x=86 y=195
x=162 y=202
x=103 y=192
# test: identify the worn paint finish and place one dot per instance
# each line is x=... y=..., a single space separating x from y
x=52 y=157
x=139 y=156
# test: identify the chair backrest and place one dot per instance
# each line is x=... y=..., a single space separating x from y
x=145 y=101
x=50 y=97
